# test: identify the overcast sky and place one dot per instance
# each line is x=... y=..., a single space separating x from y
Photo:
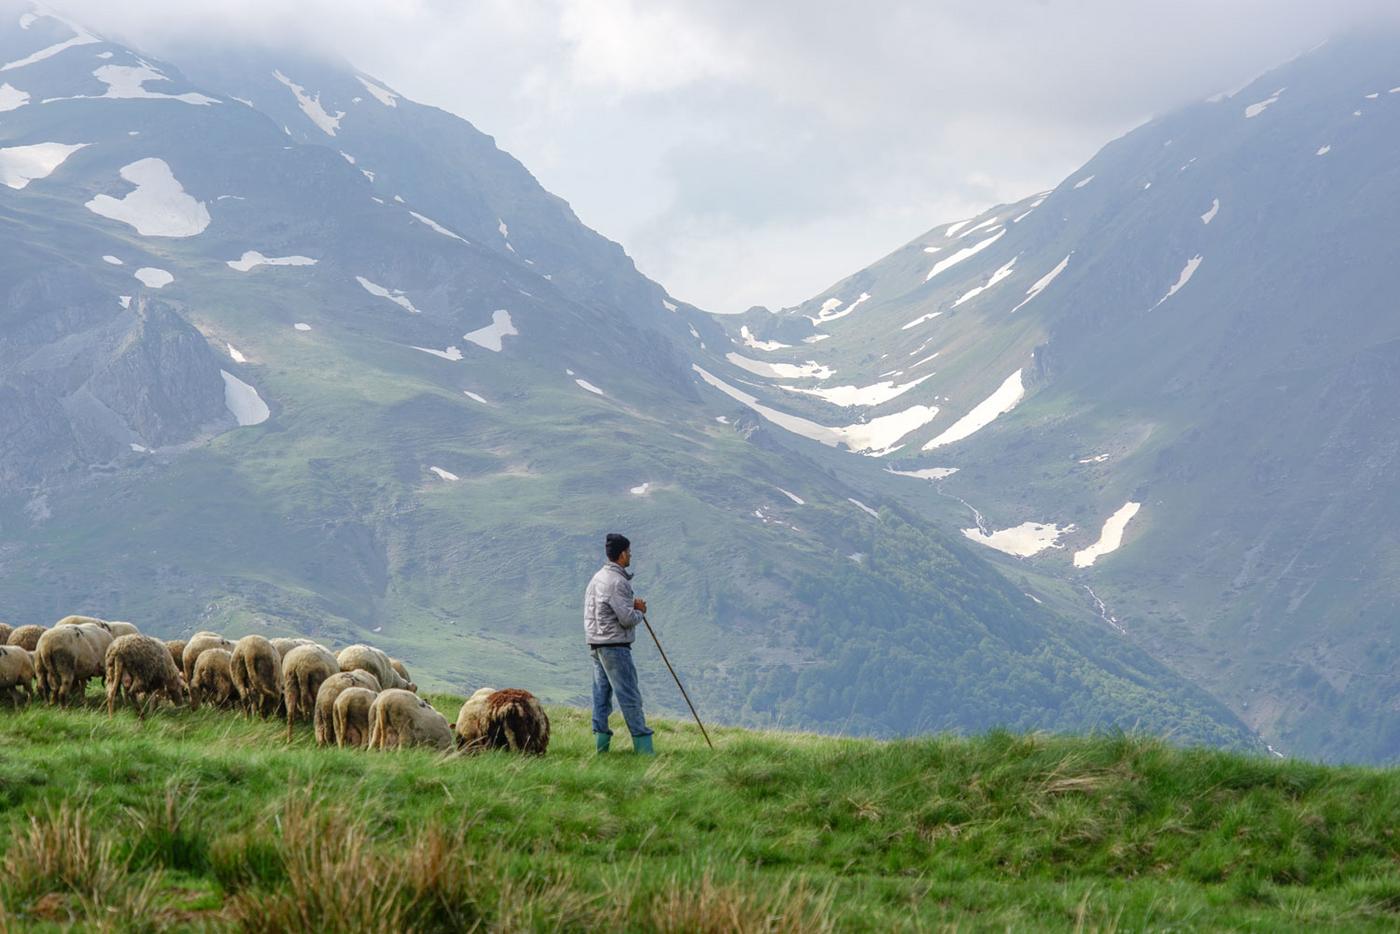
x=755 y=152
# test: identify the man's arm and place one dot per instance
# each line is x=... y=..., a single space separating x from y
x=629 y=615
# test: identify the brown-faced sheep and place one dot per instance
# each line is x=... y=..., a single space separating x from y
x=400 y=718
x=68 y=656
x=213 y=680
x=16 y=674
x=324 y=719
x=304 y=670
x=5 y=630
x=177 y=652
x=257 y=675
x=402 y=670
x=26 y=637
x=141 y=668
x=285 y=645
x=511 y=719
x=368 y=658
x=122 y=629
x=352 y=717
x=200 y=642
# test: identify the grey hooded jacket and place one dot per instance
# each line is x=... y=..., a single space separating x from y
x=609 y=618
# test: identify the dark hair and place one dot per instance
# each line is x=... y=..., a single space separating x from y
x=616 y=544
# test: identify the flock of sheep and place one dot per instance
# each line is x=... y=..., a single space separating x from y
x=359 y=698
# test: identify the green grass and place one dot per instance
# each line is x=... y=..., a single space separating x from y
x=200 y=819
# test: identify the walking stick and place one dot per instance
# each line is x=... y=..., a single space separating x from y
x=678 y=684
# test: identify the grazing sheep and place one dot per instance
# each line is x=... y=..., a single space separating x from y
x=5 y=630
x=330 y=689
x=283 y=646
x=511 y=719
x=122 y=629
x=257 y=675
x=213 y=680
x=68 y=656
x=304 y=670
x=141 y=668
x=16 y=674
x=201 y=642
x=26 y=637
x=177 y=652
x=368 y=658
x=470 y=729
x=402 y=671
x=400 y=718
x=352 y=717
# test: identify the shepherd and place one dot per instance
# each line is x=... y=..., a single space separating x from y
x=611 y=615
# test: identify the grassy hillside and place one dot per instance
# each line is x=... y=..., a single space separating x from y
x=200 y=819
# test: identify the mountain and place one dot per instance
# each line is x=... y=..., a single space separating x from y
x=283 y=351
x=1164 y=391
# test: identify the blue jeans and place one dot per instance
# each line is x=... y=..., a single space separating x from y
x=614 y=673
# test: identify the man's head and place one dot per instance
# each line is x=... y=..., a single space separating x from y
x=619 y=549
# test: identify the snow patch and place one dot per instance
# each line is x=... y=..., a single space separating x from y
x=920 y=320
x=494 y=333
x=113 y=260
x=963 y=254
x=793 y=496
x=475 y=397
x=447 y=475
x=831 y=309
x=756 y=344
x=809 y=370
x=1096 y=459
x=159 y=205
x=927 y=473
x=82 y=38
x=667 y=305
x=1254 y=110
x=253 y=259
x=451 y=353
x=394 y=295
x=1026 y=539
x=585 y=384
x=311 y=106
x=875 y=394
x=243 y=401
x=20 y=165
x=124 y=301
x=1209 y=216
x=236 y=355
x=953 y=230
x=154 y=278
x=302 y=326
x=12 y=98
x=1110 y=539
x=1082 y=182
x=815 y=338
x=862 y=507
x=997 y=276
x=642 y=490
x=385 y=96
x=128 y=82
x=1006 y=398
x=434 y=225
x=1324 y=150
x=1043 y=283
x=1192 y=265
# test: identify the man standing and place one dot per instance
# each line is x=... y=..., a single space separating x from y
x=611 y=615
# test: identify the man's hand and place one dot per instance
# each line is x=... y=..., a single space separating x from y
x=639 y=604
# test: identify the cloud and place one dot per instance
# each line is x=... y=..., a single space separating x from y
x=751 y=153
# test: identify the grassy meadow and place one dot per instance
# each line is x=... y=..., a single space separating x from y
x=205 y=821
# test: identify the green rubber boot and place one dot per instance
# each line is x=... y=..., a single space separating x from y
x=641 y=745
x=602 y=741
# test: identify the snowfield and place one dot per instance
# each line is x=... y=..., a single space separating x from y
x=809 y=370
x=997 y=276
x=81 y=38
x=128 y=82
x=493 y=334
x=1192 y=265
x=1026 y=539
x=451 y=353
x=243 y=401
x=793 y=496
x=447 y=475
x=585 y=384
x=862 y=507
x=153 y=278
x=20 y=165
x=831 y=309
x=921 y=320
x=236 y=354
x=927 y=473
x=1043 y=283
x=302 y=326
x=1209 y=216
x=12 y=98
x=435 y=226
x=382 y=94
x=1110 y=539
x=158 y=207
x=311 y=106
x=751 y=341
x=1254 y=110
x=252 y=259
x=875 y=394
x=1006 y=398
x=395 y=295
x=958 y=257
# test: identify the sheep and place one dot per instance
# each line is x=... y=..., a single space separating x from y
x=16 y=674
x=26 y=637
x=201 y=642
x=67 y=656
x=122 y=629
x=5 y=630
x=330 y=689
x=402 y=671
x=304 y=669
x=511 y=719
x=213 y=680
x=257 y=674
x=177 y=652
x=351 y=717
x=283 y=646
x=141 y=668
x=400 y=718
x=368 y=658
